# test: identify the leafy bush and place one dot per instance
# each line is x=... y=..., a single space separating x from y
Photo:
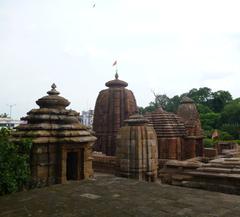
x=210 y=120
x=225 y=136
x=14 y=163
x=208 y=143
x=232 y=129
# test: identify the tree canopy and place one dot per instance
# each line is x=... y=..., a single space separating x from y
x=218 y=110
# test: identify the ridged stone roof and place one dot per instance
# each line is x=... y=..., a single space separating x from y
x=166 y=124
x=53 y=123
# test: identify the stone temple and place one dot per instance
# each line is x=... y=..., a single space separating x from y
x=170 y=131
x=180 y=137
x=136 y=153
x=113 y=106
x=62 y=147
x=187 y=110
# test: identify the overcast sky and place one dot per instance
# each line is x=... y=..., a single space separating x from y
x=168 y=46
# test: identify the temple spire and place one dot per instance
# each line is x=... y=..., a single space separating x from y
x=53 y=91
x=53 y=86
x=116 y=75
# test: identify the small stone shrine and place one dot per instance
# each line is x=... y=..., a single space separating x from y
x=137 y=150
x=187 y=110
x=113 y=106
x=62 y=147
x=170 y=134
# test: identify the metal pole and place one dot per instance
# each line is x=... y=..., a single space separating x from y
x=10 y=109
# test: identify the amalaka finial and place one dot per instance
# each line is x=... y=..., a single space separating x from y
x=53 y=91
x=53 y=86
x=116 y=75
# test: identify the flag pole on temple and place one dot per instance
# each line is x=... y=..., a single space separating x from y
x=116 y=69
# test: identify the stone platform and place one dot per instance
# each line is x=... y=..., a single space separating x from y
x=109 y=196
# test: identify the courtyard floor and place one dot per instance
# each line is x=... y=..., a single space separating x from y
x=109 y=196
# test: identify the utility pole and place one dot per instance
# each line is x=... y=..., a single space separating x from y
x=10 y=109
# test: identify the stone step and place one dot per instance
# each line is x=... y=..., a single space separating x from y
x=218 y=170
x=216 y=175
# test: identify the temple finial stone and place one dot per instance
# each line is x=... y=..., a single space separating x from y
x=116 y=75
x=53 y=86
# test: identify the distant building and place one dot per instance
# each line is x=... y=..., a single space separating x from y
x=86 y=118
x=8 y=122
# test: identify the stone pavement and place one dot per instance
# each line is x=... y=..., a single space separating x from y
x=109 y=196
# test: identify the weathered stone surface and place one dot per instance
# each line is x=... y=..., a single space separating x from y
x=210 y=152
x=103 y=163
x=56 y=133
x=226 y=146
x=109 y=196
x=190 y=116
x=136 y=151
x=221 y=174
x=113 y=106
x=170 y=134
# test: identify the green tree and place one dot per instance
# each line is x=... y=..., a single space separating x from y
x=219 y=100
x=203 y=109
x=210 y=120
x=4 y=115
x=173 y=104
x=14 y=163
x=161 y=100
x=201 y=95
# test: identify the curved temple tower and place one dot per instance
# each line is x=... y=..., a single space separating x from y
x=187 y=110
x=62 y=147
x=137 y=147
x=113 y=106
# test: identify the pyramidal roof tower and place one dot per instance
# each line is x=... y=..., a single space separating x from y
x=62 y=146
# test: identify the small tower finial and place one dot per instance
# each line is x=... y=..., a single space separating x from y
x=53 y=91
x=116 y=75
x=53 y=86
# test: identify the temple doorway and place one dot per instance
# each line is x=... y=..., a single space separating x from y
x=72 y=167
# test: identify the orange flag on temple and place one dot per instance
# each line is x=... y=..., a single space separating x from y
x=215 y=134
x=115 y=63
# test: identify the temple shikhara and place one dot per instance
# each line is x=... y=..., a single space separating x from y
x=137 y=150
x=62 y=147
x=187 y=110
x=179 y=136
x=113 y=106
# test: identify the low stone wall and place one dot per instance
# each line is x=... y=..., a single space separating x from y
x=103 y=163
x=108 y=164
x=220 y=174
x=222 y=146
x=210 y=152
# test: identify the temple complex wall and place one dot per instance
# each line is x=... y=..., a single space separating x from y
x=104 y=164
